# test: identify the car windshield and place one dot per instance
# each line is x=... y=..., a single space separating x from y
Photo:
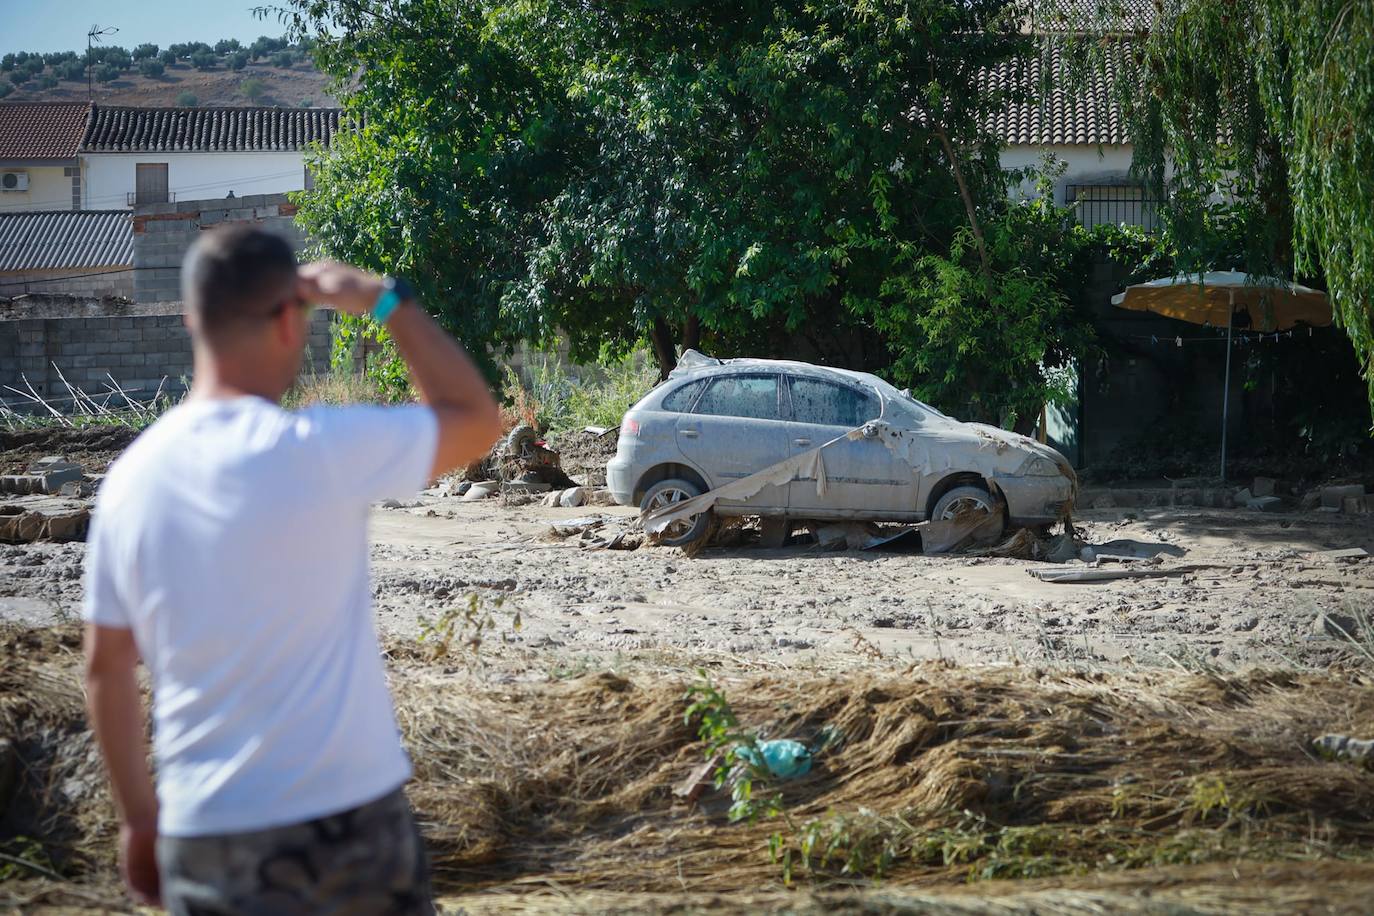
x=902 y=408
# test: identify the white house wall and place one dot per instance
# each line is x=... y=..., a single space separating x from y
x=193 y=176
x=1087 y=165
x=49 y=189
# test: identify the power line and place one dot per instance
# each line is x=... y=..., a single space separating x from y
x=182 y=188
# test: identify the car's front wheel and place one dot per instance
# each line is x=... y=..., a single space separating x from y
x=683 y=531
x=967 y=499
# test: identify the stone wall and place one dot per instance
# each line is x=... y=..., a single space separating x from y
x=139 y=351
x=163 y=232
x=85 y=282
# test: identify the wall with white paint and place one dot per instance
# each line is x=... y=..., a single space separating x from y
x=49 y=189
x=193 y=176
x=1085 y=165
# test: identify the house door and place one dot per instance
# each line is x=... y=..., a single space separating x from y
x=150 y=183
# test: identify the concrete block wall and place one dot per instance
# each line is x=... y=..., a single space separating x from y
x=139 y=351
x=163 y=232
x=85 y=282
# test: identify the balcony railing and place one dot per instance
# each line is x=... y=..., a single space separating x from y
x=138 y=199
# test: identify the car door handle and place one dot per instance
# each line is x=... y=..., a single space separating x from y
x=801 y=441
x=689 y=433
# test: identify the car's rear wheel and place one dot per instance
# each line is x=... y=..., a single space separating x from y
x=968 y=498
x=683 y=531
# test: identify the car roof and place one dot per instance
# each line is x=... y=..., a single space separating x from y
x=694 y=364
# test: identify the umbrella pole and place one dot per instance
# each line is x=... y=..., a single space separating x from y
x=1226 y=388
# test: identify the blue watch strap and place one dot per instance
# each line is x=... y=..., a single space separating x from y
x=387 y=303
x=394 y=292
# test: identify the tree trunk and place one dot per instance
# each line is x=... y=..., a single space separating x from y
x=968 y=203
x=691 y=333
x=661 y=336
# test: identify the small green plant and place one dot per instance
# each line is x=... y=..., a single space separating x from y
x=383 y=365
x=252 y=89
x=187 y=99
x=718 y=726
x=465 y=626
x=151 y=67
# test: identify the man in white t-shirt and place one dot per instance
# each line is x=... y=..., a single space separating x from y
x=229 y=553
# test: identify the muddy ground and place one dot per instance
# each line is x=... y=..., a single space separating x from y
x=1263 y=594
x=1123 y=746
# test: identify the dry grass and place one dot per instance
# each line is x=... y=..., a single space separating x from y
x=1092 y=789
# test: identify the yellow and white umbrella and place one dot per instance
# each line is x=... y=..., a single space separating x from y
x=1212 y=298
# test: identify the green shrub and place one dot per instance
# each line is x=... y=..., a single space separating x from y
x=187 y=100
x=204 y=60
x=145 y=51
x=167 y=58
x=251 y=89
x=47 y=81
x=19 y=77
x=238 y=60
x=5 y=89
x=283 y=59
x=227 y=46
x=7 y=63
x=563 y=398
x=106 y=73
x=73 y=71
x=151 y=67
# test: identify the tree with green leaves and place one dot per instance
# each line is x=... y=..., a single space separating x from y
x=1260 y=112
x=735 y=176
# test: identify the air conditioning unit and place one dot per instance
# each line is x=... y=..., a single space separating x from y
x=14 y=181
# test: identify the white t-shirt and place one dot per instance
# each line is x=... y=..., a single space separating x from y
x=231 y=537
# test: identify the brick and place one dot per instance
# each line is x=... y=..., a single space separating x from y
x=119 y=347
x=133 y=359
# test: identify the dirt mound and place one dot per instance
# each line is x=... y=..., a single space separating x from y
x=92 y=447
x=584 y=455
x=1082 y=787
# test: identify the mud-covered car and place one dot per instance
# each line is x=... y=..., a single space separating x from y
x=838 y=445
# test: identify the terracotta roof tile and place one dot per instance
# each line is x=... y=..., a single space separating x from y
x=41 y=130
x=169 y=130
x=1068 y=114
x=45 y=240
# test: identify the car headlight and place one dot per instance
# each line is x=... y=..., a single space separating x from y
x=1041 y=466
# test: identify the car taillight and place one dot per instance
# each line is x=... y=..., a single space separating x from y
x=630 y=428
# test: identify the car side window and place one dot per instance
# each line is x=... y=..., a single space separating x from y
x=751 y=396
x=680 y=401
x=827 y=404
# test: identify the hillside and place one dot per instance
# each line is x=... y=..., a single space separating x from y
x=293 y=85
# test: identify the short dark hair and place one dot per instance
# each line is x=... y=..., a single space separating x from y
x=233 y=274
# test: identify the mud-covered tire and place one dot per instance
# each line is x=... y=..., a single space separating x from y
x=965 y=498
x=676 y=490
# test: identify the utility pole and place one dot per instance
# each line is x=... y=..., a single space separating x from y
x=93 y=37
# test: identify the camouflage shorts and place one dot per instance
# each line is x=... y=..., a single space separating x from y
x=364 y=861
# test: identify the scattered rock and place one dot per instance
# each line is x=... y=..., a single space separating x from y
x=1266 y=504
x=572 y=498
x=1355 y=505
x=1340 y=626
x=482 y=490
x=1334 y=497
x=1310 y=500
x=391 y=504
x=1263 y=486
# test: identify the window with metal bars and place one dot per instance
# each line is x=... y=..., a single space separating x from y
x=1113 y=205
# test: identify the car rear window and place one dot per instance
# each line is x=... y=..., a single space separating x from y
x=680 y=401
x=827 y=404
x=751 y=396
